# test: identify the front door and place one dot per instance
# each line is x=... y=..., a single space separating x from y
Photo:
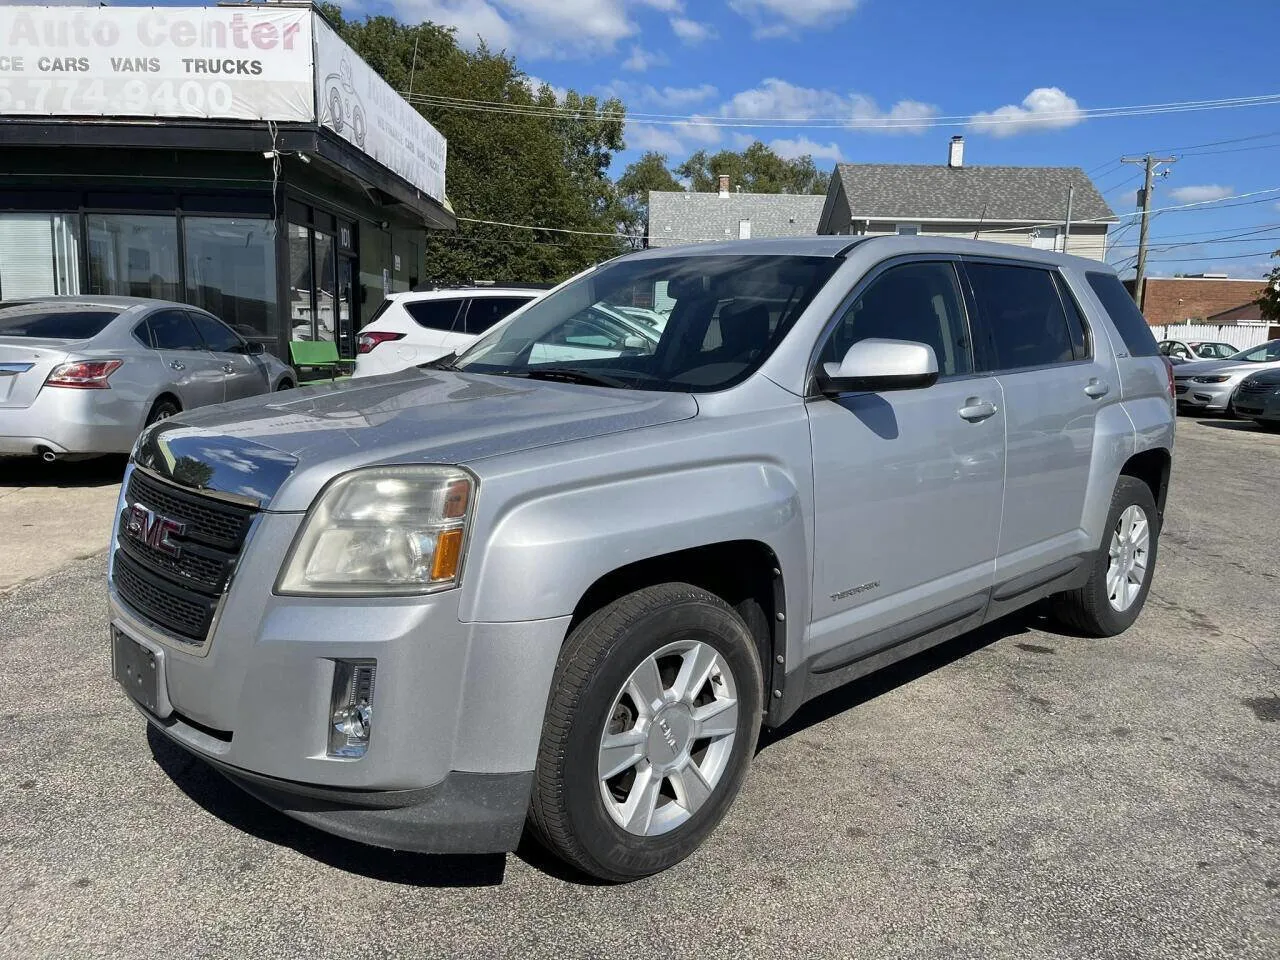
x=907 y=483
x=1031 y=337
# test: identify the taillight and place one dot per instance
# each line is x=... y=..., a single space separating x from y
x=83 y=374
x=1168 y=369
x=371 y=338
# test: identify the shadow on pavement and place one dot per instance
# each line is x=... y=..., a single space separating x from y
x=906 y=671
x=1247 y=425
x=34 y=472
x=230 y=804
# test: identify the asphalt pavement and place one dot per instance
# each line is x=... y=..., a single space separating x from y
x=1016 y=793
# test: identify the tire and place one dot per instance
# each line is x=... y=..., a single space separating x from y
x=599 y=681
x=1090 y=609
x=285 y=384
x=1271 y=426
x=162 y=409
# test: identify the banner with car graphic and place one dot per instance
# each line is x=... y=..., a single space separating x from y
x=358 y=105
x=223 y=63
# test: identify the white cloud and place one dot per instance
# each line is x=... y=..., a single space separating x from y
x=782 y=18
x=642 y=94
x=647 y=136
x=778 y=99
x=742 y=140
x=1200 y=194
x=691 y=32
x=700 y=130
x=536 y=84
x=800 y=146
x=546 y=29
x=680 y=96
x=641 y=59
x=1044 y=108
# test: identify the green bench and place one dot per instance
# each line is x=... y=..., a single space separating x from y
x=319 y=355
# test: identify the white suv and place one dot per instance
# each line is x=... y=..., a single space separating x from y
x=412 y=328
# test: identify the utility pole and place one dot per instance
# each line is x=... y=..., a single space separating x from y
x=1066 y=224
x=1144 y=201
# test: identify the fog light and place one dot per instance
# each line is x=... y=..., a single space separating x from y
x=351 y=708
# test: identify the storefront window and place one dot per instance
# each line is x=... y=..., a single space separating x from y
x=300 y=282
x=133 y=256
x=313 y=280
x=231 y=271
x=39 y=255
x=326 y=300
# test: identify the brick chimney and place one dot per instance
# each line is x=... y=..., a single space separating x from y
x=955 y=153
x=724 y=185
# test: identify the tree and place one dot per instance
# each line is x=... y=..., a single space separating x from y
x=1270 y=299
x=650 y=172
x=756 y=169
x=520 y=166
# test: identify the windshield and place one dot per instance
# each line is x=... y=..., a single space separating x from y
x=53 y=321
x=1215 y=351
x=1269 y=351
x=694 y=324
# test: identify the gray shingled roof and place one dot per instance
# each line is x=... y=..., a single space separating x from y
x=679 y=217
x=905 y=191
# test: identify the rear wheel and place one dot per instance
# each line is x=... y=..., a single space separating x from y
x=163 y=409
x=285 y=384
x=652 y=722
x=1120 y=579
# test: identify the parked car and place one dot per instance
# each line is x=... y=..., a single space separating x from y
x=413 y=328
x=1185 y=351
x=415 y=611
x=84 y=375
x=1258 y=398
x=1207 y=386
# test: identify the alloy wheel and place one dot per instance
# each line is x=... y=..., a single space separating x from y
x=1130 y=547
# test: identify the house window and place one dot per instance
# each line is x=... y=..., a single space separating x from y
x=908 y=229
x=744 y=229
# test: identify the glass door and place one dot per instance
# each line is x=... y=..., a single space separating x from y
x=313 y=284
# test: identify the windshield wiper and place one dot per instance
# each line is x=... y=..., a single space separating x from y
x=441 y=363
x=572 y=375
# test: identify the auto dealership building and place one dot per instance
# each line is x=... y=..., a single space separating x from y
x=241 y=158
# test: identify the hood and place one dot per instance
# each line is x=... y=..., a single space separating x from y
x=251 y=447
x=1269 y=377
x=1198 y=368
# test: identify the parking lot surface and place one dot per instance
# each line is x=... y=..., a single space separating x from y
x=1015 y=793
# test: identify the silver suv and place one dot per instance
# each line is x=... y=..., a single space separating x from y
x=427 y=609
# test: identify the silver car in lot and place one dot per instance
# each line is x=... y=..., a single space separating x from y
x=1208 y=385
x=84 y=375
x=1258 y=399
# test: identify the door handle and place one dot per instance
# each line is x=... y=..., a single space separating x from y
x=1096 y=388
x=177 y=364
x=975 y=410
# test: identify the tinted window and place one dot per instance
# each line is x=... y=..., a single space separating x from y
x=1267 y=352
x=436 y=314
x=1124 y=314
x=216 y=336
x=57 y=323
x=484 y=312
x=173 y=330
x=1076 y=325
x=1023 y=322
x=916 y=301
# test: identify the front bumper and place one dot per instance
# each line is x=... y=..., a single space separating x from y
x=71 y=421
x=464 y=813
x=1259 y=408
x=1209 y=397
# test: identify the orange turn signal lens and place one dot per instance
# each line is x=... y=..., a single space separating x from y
x=444 y=565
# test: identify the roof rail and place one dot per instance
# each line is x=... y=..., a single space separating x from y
x=481 y=285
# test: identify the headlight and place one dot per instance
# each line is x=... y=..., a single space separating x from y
x=383 y=531
x=1210 y=379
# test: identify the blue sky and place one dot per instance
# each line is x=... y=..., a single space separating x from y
x=877 y=61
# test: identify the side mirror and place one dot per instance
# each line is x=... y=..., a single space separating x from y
x=635 y=344
x=257 y=348
x=875 y=365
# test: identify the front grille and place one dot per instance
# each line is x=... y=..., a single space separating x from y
x=1254 y=390
x=177 y=583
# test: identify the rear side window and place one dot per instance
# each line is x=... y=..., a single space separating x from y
x=484 y=312
x=216 y=336
x=34 y=320
x=1023 y=320
x=1124 y=314
x=436 y=314
x=1076 y=326
x=173 y=330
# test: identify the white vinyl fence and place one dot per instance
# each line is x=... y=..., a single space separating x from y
x=1240 y=335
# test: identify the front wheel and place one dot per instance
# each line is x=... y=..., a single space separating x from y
x=652 y=722
x=1120 y=578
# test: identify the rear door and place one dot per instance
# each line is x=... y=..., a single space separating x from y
x=195 y=373
x=437 y=321
x=246 y=376
x=1031 y=337
x=35 y=337
x=484 y=312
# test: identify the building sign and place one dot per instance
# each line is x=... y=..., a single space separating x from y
x=239 y=63
x=358 y=105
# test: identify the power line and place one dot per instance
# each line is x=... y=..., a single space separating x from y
x=806 y=122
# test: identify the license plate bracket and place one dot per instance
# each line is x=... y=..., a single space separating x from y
x=135 y=669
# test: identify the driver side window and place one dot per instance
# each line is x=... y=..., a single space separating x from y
x=920 y=302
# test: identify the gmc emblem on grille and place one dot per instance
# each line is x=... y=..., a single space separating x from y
x=153 y=529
